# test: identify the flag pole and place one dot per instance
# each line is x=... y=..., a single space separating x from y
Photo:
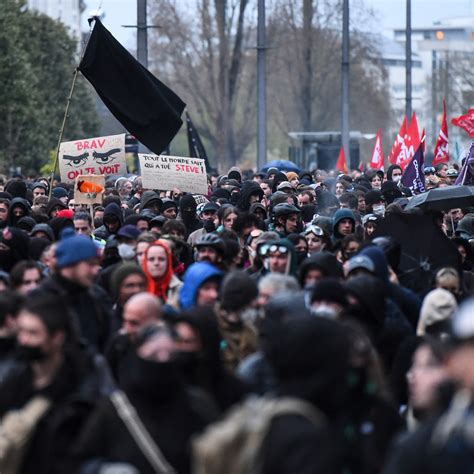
x=66 y=111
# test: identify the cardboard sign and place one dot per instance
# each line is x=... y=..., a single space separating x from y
x=100 y=155
x=169 y=172
x=89 y=189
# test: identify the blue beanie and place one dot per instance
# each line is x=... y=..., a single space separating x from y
x=73 y=249
x=60 y=192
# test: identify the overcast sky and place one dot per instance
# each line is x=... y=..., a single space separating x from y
x=390 y=13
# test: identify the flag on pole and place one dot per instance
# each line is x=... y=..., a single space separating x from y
x=410 y=143
x=423 y=139
x=441 y=151
x=196 y=148
x=413 y=176
x=147 y=108
x=466 y=176
x=377 y=161
x=341 y=163
x=395 y=151
x=466 y=122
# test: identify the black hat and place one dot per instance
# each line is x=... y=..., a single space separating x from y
x=238 y=290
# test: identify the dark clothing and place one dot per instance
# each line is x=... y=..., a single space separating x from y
x=114 y=210
x=415 y=453
x=163 y=405
x=295 y=445
x=73 y=392
x=119 y=348
x=90 y=308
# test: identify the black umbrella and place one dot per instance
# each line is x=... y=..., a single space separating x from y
x=424 y=248
x=443 y=199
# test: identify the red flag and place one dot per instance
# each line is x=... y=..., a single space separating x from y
x=410 y=143
x=441 y=151
x=341 y=164
x=394 y=152
x=377 y=160
x=466 y=122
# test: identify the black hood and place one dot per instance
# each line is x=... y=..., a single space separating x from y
x=18 y=202
x=248 y=188
x=326 y=262
x=311 y=360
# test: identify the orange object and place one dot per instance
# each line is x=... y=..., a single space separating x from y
x=88 y=187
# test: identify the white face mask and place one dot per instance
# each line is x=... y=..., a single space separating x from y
x=126 y=251
x=396 y=179
x=324 y=311
x=379 y=210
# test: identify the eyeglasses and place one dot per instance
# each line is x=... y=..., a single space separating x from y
x=314 y=229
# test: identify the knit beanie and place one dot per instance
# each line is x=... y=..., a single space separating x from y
x=73 y=249
x=120 y=273
x=59 y=192
x=238 y=290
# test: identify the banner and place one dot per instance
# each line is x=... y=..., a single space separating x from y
x=377 y=160
x=413 y=176
x=441 y=152
x=166 y=173
x=466 y=175
x=100 y=155
x=89 y=189
x=466 y=122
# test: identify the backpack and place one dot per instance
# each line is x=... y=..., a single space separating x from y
x=234 y=444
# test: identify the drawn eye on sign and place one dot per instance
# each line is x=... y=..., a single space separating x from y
x=105 y=158
x=100 y=156
x=76 y=161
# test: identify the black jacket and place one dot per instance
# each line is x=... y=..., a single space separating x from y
x=90 y=308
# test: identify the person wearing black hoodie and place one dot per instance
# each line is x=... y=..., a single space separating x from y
x=19 y=208
x=151 y=381
x=201 y=363
x=113 y=220
x=251 y=193
x=187 y=214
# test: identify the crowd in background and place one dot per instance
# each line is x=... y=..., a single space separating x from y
x=278 y=285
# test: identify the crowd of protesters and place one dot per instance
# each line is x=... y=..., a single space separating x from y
x=131 y=331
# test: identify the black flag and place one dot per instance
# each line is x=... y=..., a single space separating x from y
x=196 y=148
x=139 y=101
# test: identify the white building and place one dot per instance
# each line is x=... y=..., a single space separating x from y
x=66 y=11
x=446 y=51
x=393 y=58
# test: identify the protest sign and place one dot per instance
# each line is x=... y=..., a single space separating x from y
x=100 y=155
x=169 y=172
x=89 y=189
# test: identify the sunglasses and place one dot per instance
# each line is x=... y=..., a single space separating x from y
x=314 y=229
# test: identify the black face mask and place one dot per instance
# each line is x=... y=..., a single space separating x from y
x=6 y=260
x=187 y=363
x=30 y=353
x=209 y=226
x=300 y=256
x=149 y=380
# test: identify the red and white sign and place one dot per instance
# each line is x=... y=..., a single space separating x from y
x=377 y=161
x=99 y=155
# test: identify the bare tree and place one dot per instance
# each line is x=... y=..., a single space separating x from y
x=204 y=57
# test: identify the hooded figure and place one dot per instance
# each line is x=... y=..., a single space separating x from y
x=196 y=275
x=436 y=312
x=111 y=212
x=325 y=262
x=17 y=243
x=54 y=205
x=204 y=367
x=339 y=216
x=19 y=207
x=249 y=189
x=151 y=200
x=187 y=212
x=167 y=286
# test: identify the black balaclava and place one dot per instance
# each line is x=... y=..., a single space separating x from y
x=187 y=209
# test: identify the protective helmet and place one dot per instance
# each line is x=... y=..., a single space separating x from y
x=284 y=209
x=211 y=240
